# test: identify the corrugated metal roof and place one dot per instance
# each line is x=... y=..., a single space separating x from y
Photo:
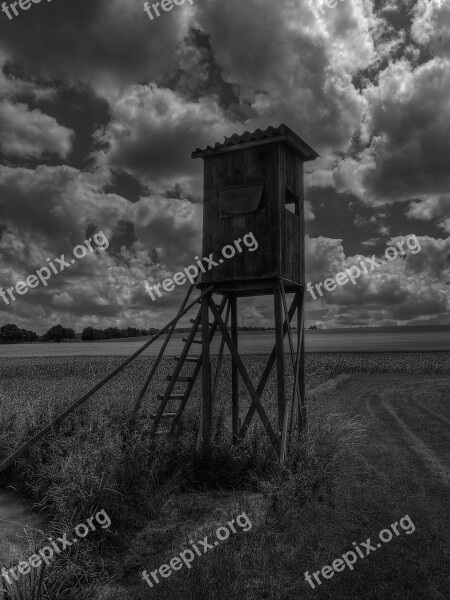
x=259 y=137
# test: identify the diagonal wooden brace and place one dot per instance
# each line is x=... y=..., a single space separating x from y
x=266 y=373
x=245 y=376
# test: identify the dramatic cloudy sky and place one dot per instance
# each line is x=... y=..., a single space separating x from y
x=100 y=109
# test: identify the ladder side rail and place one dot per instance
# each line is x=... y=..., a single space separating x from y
x=173 y=379
x=155 y=365
x=196 y=371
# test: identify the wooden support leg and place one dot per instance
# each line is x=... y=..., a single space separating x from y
x=301 y=341
x=206 y=374
x=297 y=398
x=289 y=407
x=279 y=342
x=234 y=370
x=219 y=361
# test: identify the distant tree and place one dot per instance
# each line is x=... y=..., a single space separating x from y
x=10 y=334
x=31 y=336
x=112 y=333
x=132 y=332
x=88 y=334
x=58 y=333
x=28 y=336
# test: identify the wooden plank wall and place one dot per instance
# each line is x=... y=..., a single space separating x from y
x=279 y=232
x=243 y=167
x=292 y=230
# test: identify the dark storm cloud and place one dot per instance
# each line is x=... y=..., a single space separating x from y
x=152 y=134
x=99 y=41
x=290 y=72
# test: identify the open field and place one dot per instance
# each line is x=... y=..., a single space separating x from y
x=404 y=470
x=250 y=342
x=346 y=489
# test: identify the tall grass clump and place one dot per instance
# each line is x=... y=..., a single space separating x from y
x=315 y=464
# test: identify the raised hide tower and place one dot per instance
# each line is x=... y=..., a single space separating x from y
x=254 y=183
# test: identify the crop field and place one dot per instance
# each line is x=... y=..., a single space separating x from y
x=35 y=390
x=402 y=468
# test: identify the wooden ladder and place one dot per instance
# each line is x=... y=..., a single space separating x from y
x=172 y=416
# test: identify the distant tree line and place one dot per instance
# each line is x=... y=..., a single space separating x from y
x=58 y=333
x=112 y=333
x=11 y=334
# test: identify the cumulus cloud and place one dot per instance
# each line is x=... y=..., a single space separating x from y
x=396 y=292
x=29 y=133
x=47 y=211
x=153 y=132
x=297 y=69
x=431 y=25
x=433 y=208
x=410 y=117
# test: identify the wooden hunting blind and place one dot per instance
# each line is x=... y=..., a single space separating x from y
x=253 y=183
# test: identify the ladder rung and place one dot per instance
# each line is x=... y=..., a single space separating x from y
x=193 y=341
x=191 y=359
x=172 y=397
x=179 y=378
x=165 y=415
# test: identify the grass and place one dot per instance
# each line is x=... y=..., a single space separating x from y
x=313 y=507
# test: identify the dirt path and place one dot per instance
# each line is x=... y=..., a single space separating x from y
x=405 y=469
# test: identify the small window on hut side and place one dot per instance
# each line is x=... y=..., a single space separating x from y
x=291 y=201
x=240 y=200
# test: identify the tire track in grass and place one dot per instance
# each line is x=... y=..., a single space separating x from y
x=431 y=413
x=434 y=464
